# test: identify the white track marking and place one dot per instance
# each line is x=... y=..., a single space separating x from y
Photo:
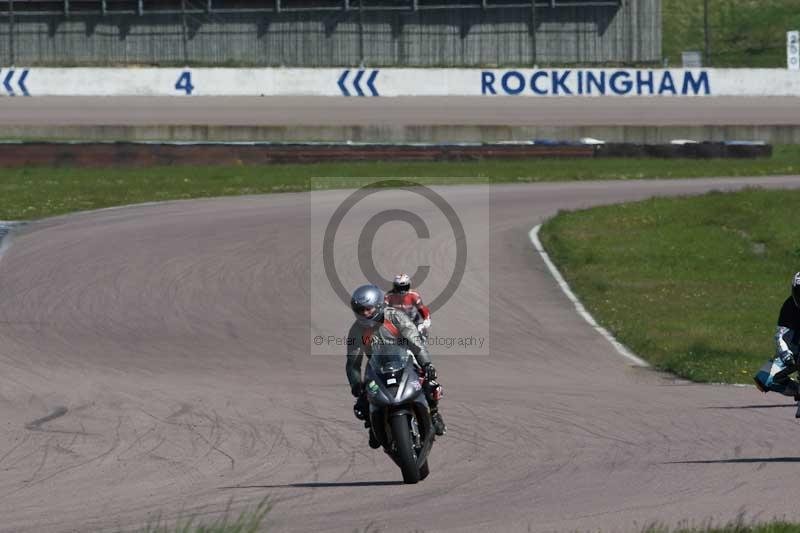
x=625 y=352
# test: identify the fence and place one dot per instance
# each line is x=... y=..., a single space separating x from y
x=321 y=33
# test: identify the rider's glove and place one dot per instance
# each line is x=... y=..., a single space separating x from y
x=788 y=358
x=430 y=372
x=426 y=323
x=357 y=389
x=361 y=408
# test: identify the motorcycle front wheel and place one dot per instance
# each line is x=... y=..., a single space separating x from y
x=406 y=457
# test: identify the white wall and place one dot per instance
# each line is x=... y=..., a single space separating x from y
x=403 y=82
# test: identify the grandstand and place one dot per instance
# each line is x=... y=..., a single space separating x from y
x=319 y=33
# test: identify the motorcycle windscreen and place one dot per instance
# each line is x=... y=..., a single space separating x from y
x=389 y=359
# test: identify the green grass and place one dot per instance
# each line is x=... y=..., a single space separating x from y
x=744 y=33
x=737 y=526
x=250 y=520
x=31 y=193
x=740 y=525
x=693 y=285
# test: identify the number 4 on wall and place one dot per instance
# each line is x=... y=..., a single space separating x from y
x=184 y=82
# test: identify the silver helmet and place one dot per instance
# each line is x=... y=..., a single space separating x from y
x=367 y=304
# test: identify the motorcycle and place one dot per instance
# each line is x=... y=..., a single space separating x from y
x=399 y=414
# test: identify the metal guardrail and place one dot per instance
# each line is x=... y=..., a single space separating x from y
x=23 y=8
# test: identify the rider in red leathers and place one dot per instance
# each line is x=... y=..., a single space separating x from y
x=403 y=298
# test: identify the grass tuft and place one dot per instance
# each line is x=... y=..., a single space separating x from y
x=250 y=520
x=740 y=525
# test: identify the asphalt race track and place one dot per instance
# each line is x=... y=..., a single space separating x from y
x=399 y=111
x=157 y=358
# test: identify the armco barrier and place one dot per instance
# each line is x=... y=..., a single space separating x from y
x=119 y=154
x=377 y=83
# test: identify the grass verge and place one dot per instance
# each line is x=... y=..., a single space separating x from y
x=30 y=193
x=693 y=285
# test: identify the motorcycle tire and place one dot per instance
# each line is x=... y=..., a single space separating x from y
x=406 y=457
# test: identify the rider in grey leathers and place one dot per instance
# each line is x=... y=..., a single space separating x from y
x=376 y=323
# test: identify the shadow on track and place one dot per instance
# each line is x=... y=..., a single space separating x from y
x=755 y=406
x=737 y=460
x=320 y=485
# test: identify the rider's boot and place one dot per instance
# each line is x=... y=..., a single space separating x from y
x=438 y=422
x=433 y=393
x=374 y=443
x=774 y=376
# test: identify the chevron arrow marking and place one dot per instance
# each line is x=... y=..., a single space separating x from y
x=7 y=83
x=341 y=81
x=370 y=82
x=21 y=82
x=356 y=82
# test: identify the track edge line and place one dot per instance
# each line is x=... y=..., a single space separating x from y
x=621 y=348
